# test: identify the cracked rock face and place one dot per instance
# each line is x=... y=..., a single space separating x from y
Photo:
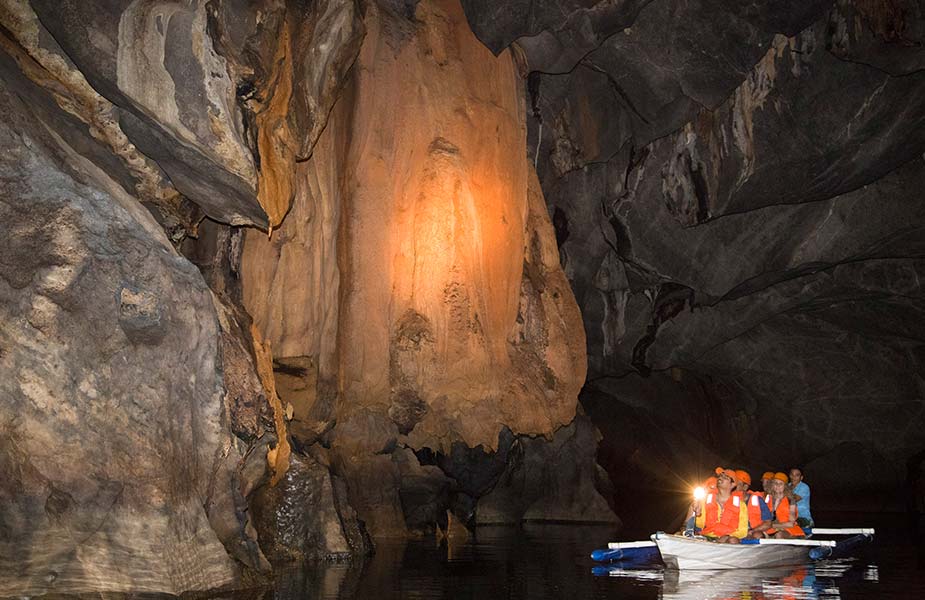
x=740 y=210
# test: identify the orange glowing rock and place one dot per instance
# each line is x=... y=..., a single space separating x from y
x=418 y=266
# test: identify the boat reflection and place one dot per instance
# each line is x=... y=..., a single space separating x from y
x=806 y=582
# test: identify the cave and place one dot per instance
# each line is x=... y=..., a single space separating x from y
x=283 y=281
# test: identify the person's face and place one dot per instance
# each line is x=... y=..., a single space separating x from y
x=766 y=484
x=777 y=487
x=743 y=487
x=796 y=476
x=723 y=482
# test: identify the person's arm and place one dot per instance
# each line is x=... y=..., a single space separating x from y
x=766 y=519
x=701 y=513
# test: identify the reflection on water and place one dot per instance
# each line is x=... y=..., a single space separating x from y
x=553 y=562
x=808 y=582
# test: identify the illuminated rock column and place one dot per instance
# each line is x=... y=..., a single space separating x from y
x=456 y=319
x=417 y=270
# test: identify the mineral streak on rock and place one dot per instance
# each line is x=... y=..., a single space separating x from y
x=167 y=67
x=278 y=456
x=275 y=143
x=45 y=63
x=291 y=280
x=290 y=61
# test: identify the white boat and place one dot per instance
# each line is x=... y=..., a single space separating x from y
x=697 y=553
x=679 y=552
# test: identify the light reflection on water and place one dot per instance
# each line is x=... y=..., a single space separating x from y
x=808 y=582
x=537 y=562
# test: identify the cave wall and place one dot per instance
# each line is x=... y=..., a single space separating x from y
x=137 y=433
x=115 y=454
x=739 y=215
x=409 y=308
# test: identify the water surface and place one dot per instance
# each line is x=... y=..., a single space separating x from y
x=552 y=561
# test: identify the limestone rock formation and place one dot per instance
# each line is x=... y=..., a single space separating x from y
x=187 y=95
x=416 y=279
x=728 y=192
x=307 y=516
x=557 y=480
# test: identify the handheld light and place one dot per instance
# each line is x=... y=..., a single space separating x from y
x=699 y=493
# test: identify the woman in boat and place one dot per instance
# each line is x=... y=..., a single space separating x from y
x=722 y=510
x=759 y=515
x=784 y=511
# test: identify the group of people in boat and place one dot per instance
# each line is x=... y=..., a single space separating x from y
x=728 y=510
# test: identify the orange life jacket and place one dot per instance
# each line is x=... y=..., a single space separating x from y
x=754 y=510
x=723 y=519
x=782 y=515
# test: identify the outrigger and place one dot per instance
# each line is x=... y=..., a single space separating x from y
x=694 y=553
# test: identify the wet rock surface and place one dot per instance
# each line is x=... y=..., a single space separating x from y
x=555 y=480
x=307 y=516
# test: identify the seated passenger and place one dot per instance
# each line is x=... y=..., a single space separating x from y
x=802 y=491
x=759 y=515
x=785 y=512
x=693 y=523
x=766 y=483
x=721 y=510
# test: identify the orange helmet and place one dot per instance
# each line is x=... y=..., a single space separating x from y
x=744 y=476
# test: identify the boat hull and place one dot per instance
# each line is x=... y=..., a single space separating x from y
x=679 y=552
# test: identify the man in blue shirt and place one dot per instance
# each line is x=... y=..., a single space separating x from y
x=801 y=490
